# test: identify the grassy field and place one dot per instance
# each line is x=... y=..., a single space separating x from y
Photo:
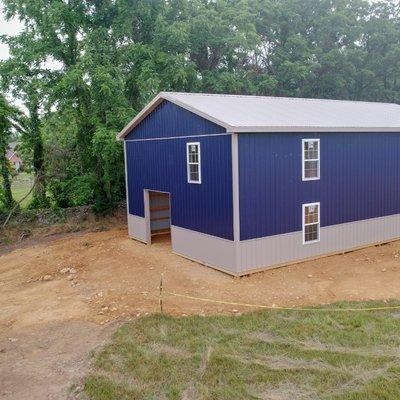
x=21 y=185
x=275 y=355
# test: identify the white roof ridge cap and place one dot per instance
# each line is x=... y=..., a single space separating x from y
x=166 y=93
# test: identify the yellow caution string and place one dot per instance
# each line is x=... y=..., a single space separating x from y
x=231 y=303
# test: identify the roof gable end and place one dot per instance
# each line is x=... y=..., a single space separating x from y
x=156 y=102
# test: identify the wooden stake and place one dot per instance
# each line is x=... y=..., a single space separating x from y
x=160 y=298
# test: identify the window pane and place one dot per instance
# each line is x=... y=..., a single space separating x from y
x=311 y=169
x=193 y=148
x=194 y=172
x=193 y=158
x=193 y=153
x=311 y=232
x=310 y=154
x=311 y=150
x=311 y=145
x=311 y=214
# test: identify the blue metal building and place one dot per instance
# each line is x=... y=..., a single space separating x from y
x=246 y=182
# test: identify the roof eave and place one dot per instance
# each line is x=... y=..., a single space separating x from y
x=272 y=129
x=139 y=117
x=194 y=110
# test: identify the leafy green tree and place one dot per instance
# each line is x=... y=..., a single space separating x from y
x=26 y=80
x=84 y=68
x=9 y=116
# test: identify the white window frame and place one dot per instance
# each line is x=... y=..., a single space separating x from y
x=303 y=141
x=304 y=224
x=192 y=163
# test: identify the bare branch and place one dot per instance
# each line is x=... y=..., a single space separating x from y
x=20 y=201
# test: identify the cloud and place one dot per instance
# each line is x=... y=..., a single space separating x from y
x=11 y=27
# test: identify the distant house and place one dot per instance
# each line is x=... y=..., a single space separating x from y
x=14 y=159
x=248 y=182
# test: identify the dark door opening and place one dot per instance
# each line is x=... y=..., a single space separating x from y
x=160 y=213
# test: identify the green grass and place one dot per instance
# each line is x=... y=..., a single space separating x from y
x=264 y=355
x=21 y=184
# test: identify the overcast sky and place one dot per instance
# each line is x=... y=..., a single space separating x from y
x=7 y=28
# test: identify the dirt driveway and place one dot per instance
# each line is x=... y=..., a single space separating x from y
x=61 y=299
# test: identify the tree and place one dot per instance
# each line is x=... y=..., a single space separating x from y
x=9 y=116
x=84 y=68
x=25 y=78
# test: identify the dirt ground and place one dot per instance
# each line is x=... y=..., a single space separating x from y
x=62 y=298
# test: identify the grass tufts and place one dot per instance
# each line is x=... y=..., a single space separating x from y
x=274 y=355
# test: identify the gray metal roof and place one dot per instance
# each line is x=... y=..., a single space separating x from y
x=281 y=114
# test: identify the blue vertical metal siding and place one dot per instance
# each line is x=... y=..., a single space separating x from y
x=360 y=179
x=170 y=120
x=161 y=165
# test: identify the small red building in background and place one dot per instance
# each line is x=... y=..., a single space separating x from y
x=14 y=159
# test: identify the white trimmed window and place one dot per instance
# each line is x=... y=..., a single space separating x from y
x=310 y=151
x=193 y=162
x=311 y=222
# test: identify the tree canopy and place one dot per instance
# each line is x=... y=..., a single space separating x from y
x=83 y=69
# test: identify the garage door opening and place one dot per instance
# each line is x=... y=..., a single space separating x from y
x=160 y=216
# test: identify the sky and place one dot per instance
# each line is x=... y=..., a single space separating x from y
x=7 y=28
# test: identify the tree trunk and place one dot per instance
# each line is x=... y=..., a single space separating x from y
x=5 y=174
x=39 y=193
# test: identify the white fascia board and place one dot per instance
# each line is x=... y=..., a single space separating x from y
x=197 y=112
x=274 y=129
x=158 y=100
x=139 y=117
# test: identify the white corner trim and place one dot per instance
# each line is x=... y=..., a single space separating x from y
x=235 y=198
x=147 y=216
